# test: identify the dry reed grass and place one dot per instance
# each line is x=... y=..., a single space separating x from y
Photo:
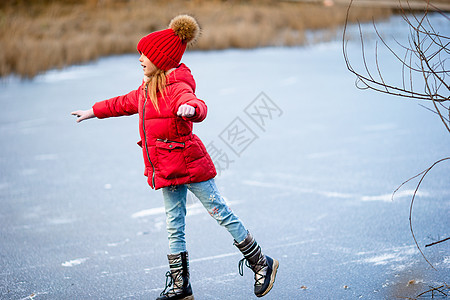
x=52 y=34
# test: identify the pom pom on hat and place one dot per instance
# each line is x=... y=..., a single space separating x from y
x=166 y=47
x=186 y=27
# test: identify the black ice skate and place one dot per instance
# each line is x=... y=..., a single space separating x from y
x=177 y=279
x=264 y=267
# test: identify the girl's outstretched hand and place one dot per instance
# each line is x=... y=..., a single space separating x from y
x=186 y=110
x=83 y=114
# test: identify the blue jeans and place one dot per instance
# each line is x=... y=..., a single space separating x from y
x=209 y=196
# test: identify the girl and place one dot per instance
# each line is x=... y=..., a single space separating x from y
x=175 y=158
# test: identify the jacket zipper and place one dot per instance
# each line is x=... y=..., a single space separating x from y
x=167 y=141
x=145 y=137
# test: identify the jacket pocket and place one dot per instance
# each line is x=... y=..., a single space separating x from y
x=170 y=158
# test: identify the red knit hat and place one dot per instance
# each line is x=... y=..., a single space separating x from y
x=166 y=47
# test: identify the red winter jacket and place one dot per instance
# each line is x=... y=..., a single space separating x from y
x=172 y=153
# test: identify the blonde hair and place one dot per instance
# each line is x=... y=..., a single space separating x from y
x=157 y=82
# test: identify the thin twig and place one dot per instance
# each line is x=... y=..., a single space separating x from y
x=438 y=242
x=434 y=289
x=434 y=111
x=424 y=173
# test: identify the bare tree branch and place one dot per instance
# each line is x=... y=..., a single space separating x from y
x=423 y=173
x=438 y=242
x=424 y=60
x=426 y=54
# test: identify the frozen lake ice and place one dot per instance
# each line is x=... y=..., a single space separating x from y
x=313 y=183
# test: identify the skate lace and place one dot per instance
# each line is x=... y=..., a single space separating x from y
x=260 y=275
x=169 y=282
x=172 y=280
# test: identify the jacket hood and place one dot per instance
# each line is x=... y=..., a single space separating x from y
x=181 y=74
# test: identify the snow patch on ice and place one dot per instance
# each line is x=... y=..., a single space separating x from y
x=221 y=278
x=383 y=259
x=28 y=172
x=195 y=209
x=148 y=212
x=33 y=295
x=196 y=260
x=192 y=210
x=446 y=262
x=380 y=127
x=326 y=154
x=60 y=221
x=46 y=157
x=214 y=257
x=118 y=243
x=388 y=197
x=74 y=262
x=289 y=81
x=398 y=258
x=227 y=91
x=24 y=124
x=328 y=194
x=159 y=225
x=334 y=194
